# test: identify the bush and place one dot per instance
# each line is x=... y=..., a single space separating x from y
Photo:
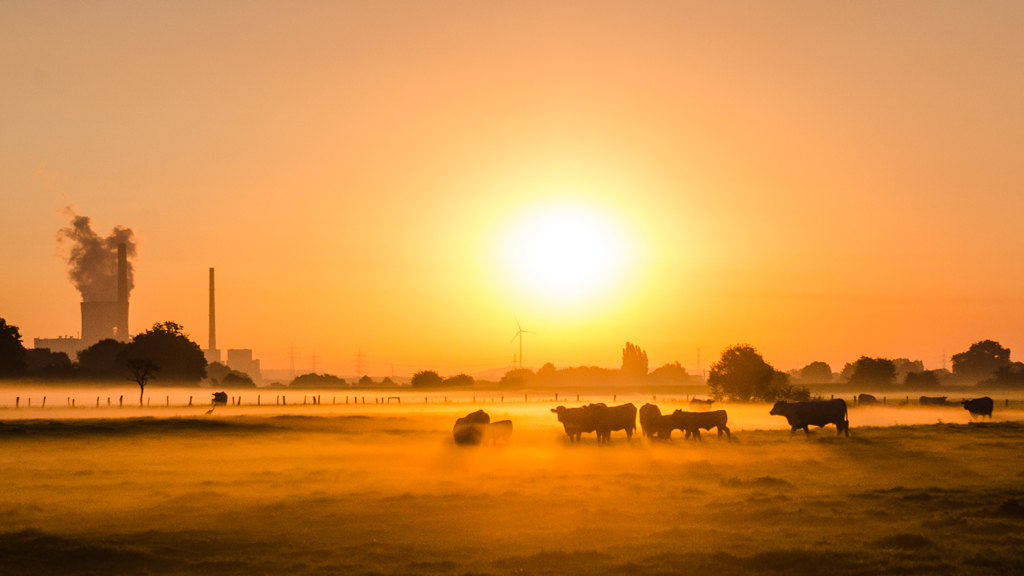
x=427 y=379
x=742 y=374
x=460 y=380
x=312 y=380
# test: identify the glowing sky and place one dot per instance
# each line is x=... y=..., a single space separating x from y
x=821 y=180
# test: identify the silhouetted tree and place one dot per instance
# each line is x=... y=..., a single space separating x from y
x=873 y=372
x=816 y=372
x=926 y=380
x=847 y=372
x=1010 y=376
x=458 y=380
x=141 y=370
x=426 y=379
x=12 y=351
x=366 y=381
x=216 y=371
x=742 y=374
x=981 y=360
x=669 y=374
x=517 y=378
x=387 y=381
x=547 y=373
x=634 y=362
x=180 y=359
x=312 y=380
x=100 y=359
x=906 y=367
x=236 y=379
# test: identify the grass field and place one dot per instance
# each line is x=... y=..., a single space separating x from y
x=389 y=493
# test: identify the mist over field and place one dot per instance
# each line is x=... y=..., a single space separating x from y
x=382 y=489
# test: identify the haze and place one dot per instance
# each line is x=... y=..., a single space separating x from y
x=823 y=181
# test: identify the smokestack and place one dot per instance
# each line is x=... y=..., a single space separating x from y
x=122 y=272
x=213 y=316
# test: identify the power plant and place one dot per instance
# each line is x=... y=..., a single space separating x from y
x=100 y=320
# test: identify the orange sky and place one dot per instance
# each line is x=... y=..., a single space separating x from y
x=821 y=181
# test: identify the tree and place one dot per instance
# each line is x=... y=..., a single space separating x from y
x=873 y=372
x=1007 y=377
x=634 y=362
x=926 y=380
x=12 y=351
x=216 y=371
x=981 y=360
x=426 y=379
x=100 y=359
x=670 y=374
x=742 y=374
x=43 y=362
x=905 y=367
x=458 y=380
x=547 y=373
x=312 y=380
x=365 y=381
x=141 y=370
x=236 y=379
x=180 y=359
x=517 y=378
x=818 y=372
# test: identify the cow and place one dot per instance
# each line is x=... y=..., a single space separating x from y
x=469 y=430
x=867 y=399
x=577 y=421
x=814 y=413
x=934 y=401
x=498 y=431
x=697 y=405
x=650 y=420
x=979 y=407
x=691 y=423
x=608 y=419
x=220 y=399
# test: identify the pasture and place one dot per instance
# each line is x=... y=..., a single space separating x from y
x=382 y=489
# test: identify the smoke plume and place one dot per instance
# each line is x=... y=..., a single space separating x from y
x=93 y=258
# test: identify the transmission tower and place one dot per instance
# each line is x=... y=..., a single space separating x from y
x=359 y=363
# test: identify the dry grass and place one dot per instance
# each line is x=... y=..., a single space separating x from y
x=391 y=494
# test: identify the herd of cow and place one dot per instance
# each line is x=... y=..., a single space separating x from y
x=476 y=428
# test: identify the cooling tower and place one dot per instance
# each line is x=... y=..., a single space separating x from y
x=102 y=320
x=212 y=353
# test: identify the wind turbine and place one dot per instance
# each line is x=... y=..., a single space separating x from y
x=519 y=335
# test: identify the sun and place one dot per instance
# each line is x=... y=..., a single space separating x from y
x=564 y=252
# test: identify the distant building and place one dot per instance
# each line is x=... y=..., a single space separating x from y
x=242 y=361
x=66 y=344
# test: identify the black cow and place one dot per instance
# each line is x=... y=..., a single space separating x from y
x=610 y=419
x=934 y=401
x=979 y=407
x=498 y=431
x=220 y=398
x=815 y=413
x=470 y=429
x=867 y=399
x=700 y=405
x=650 y=420
x=577 y=421
x=691 y=423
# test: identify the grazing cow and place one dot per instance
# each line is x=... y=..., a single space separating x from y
x=500 y=430
x=608 y=419
x=470 y=429
x=979 y=407
x=650 y=420
x=934 y=401
x=867 y=399
x=220 y=398
x=691 y=423
x=815 y=413
x=700 y=405
x=576 y=421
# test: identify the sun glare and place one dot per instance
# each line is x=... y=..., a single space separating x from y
x=565 y=252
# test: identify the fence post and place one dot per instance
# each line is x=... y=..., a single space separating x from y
x=257 y=399
x=168 y=401
x=97 y=401
x=72 y=403
x=284 y=401
x=120 y=403
x=108 y=401
x=190 y=401
x=17 y=400
x=44 y=402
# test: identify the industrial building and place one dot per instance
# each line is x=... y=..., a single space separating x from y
x=100 y=320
